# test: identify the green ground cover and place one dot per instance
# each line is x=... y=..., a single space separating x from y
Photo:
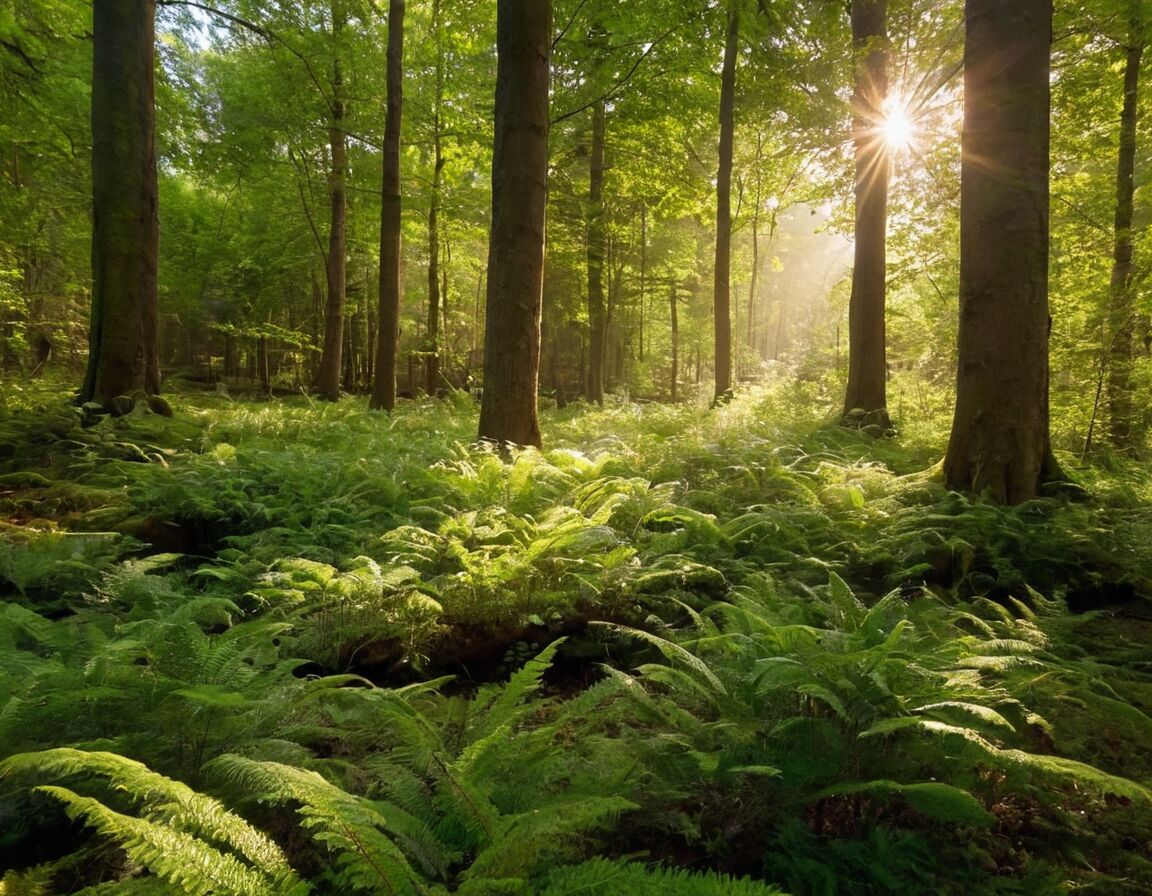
x=282 y=647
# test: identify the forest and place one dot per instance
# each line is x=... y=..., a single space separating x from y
x=692 y=447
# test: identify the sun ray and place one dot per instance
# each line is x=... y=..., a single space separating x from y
x=897 y=127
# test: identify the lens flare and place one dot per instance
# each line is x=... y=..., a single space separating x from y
x=897 y=127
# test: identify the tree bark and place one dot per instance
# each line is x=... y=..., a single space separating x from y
x=721 y=292
x=674 y=321
x=1121 y=308
x=508 y=412
x=328 y=382
x=123 y=352
x=388 y=335
x=432 y=362
x=867 y=367
x=597 y=314
x=999 y=446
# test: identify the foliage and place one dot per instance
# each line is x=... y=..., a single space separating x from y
x=883 y=677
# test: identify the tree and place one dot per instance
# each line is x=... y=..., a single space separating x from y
x=721 y=292
x=437 y=297
x=867 y=368
x=123 y=355
x=384 y=381
x=328 y=379
x=999 y=445
x=597 y=240
x=1121 y=306
x=508 y=412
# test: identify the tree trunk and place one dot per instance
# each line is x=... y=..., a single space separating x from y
x=865 y=399
x=328 y=382
x=674 y=319
x=262 y=365
x=388 y=335
x=754 y=276
x=597 y=315
x=508 y=413
x=999 y=446
x=643 y=280
x=432 y=367
x=721 y=300
x=123 y=341
x=1121 y=309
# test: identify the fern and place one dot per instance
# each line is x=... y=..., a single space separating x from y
x=632 y=879
x=368 y=860
x=185 y=837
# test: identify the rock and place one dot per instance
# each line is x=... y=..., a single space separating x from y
x=159 y=405
x=120 y=406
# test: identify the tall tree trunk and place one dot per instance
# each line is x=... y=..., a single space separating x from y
x=643 y=279
x=384 y=382
x=999 y=446
x=123 y=355
x=445 y=357
x=867 y=367
x=508 y=413
x=1121 y=308
x=432 y=367
x=674 y=320
x=597 y=314
x=262 y=367
x=328 y=383
x=754 y=275
x=721 y=293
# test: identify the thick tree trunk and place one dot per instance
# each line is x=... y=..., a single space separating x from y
x=384 y=382
x=432 y=364
x=328 y=381
x=721 y=293
x=999 y=447
x=123 y=340
x=508 y=413
x=865 y=399
x=597 y=314
x=1121 y=308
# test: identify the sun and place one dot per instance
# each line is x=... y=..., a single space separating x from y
x=897 y=127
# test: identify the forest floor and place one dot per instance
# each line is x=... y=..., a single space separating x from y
x=733 y=642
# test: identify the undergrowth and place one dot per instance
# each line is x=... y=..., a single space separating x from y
x=280 y=647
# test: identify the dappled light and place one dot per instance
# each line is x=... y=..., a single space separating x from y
x=574 y=448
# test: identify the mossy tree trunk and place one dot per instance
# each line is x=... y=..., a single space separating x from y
x=999 y=446
x=865 y=398
x=508 y=412
x=384 y=382
x=123 y=340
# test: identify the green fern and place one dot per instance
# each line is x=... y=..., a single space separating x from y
x=353 y=828
x=633 y=879
x=184 y=837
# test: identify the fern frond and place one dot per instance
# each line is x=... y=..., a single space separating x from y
x=672 y=652
x=196 y=867
x=631 y=879
x=527 y=836
x=350 y=825
x=161 y=798
x=508 y=706
x=939 y=801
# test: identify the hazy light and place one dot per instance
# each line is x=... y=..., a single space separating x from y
x=897 y=128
